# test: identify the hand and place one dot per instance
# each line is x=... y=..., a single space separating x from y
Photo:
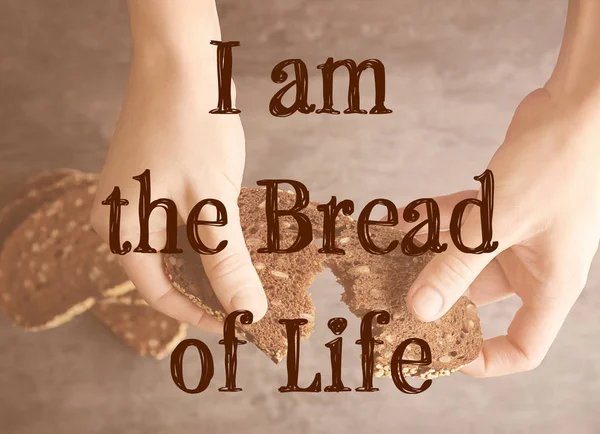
x=192 y=155
x=547 y=222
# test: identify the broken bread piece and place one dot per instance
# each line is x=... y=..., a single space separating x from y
x=147 y=331
x=285 y=277
x=381 y=282
x=53 y=265
x=41 y=188
x=370 y=282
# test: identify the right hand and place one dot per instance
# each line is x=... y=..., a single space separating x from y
x=192 y=155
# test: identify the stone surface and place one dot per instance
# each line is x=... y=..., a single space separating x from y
x=455 y=72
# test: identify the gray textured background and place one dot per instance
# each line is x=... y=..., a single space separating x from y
x=455 y=72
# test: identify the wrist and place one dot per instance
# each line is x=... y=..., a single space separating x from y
x=176 y=78
x=177 y=32
x=576 y=76
x=580 y=99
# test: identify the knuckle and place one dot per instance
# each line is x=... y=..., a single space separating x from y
x=527 y=360
x=532 y=363
x=457 y=270
x=156 y=302
x=227 y=265
x=549 y=297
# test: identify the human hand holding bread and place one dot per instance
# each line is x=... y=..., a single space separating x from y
x=165 y=127
x=546 y=214
x=544 y=170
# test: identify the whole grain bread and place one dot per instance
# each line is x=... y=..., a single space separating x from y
x=381 y=282
x=370 y=282
x=147 y=331
x=40 y=188
x=53 y=266
x=285 y=277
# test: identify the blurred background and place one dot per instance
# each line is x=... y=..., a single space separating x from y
x=456 y=71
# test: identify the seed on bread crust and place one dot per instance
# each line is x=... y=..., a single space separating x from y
x=358 y=270
x=371 y=282
x=52 y=300
x=280 y=274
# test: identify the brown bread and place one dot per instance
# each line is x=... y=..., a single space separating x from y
x=370 y=282
x=53 y=265
x=381 y=282
x=147 y=331
x=285 y=277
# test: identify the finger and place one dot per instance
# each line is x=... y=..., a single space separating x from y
x=528 y=112
x=230 y=272
x=445 y=203
x=523 y=348
x=491 y=285
x=147 y=273
x=448 y=275
x=146 y=270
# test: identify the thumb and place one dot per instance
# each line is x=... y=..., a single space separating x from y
x=231 y=273
x=448 y=275
x=445 y=204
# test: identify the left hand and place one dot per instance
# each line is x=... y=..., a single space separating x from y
x=547 y=222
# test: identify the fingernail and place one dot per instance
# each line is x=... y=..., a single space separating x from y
x=427 y=303
x=252 y=303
